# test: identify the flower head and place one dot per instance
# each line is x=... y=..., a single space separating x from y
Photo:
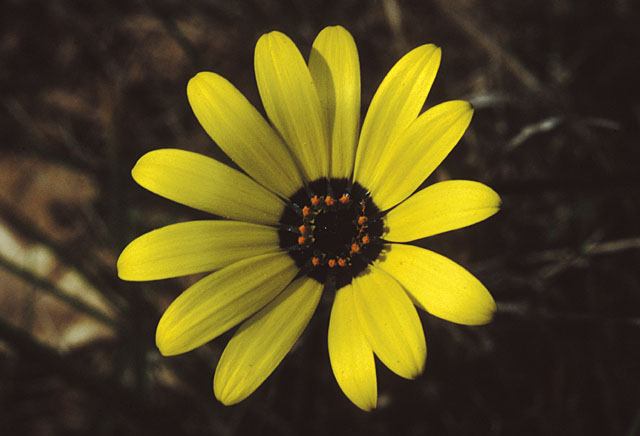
x=323 y=207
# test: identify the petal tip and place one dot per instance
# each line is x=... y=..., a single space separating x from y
x=225 y=393
x=147 y=160
x=334 y=28
x=489 y=311
x=459 y=108
x=434 y=50
x=427 y=53
x=420 y=364
x=494 y=201
x=484 y=312
x=139 y=165
x=163 y=339
x=221 y=393
x=192 y=84
x=199 y=76
x=270 y=37
x=122 y=265
x=368 y=406
x=470 y=106
x=162 y=348
x=364 y=401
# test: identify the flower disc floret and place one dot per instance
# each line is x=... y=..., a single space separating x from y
x=331 y=228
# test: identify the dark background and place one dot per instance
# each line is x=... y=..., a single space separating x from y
x=87 y=87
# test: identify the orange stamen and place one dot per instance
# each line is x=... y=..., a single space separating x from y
x=315 y=200
x=331 y=263
x=315 y=261
x=355 y=247
x=344 y=199
x=328 y=200
x=302 y=229
x=301 y=240
x=361 y=220
x=306 y=211
x=365 y=239
x=342 y=262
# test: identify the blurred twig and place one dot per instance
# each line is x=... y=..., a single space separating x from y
x=393 y=13
x=565 y=254
x=550 y=123
x=591 y=184
x=524 y=309
x=51 y=289
x=465 y=21
x=78 y=261
x=555 y=261
x=530 y=130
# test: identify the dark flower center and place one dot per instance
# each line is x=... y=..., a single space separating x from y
x=331 y=228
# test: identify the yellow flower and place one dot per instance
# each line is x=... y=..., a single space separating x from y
x=323 y=207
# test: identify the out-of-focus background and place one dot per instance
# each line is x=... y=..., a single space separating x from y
x=87 y=87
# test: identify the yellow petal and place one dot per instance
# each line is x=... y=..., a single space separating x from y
x=350 y=353
x=206 y=184
x=221 y=300
x=390 y=322
x=291 y=102
x=439 y=208
x=335 y=69
x=242 y=133
x=193 y=247
x=263 y=340
x=439 y=285
x=417 y=151
x=395 y=105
